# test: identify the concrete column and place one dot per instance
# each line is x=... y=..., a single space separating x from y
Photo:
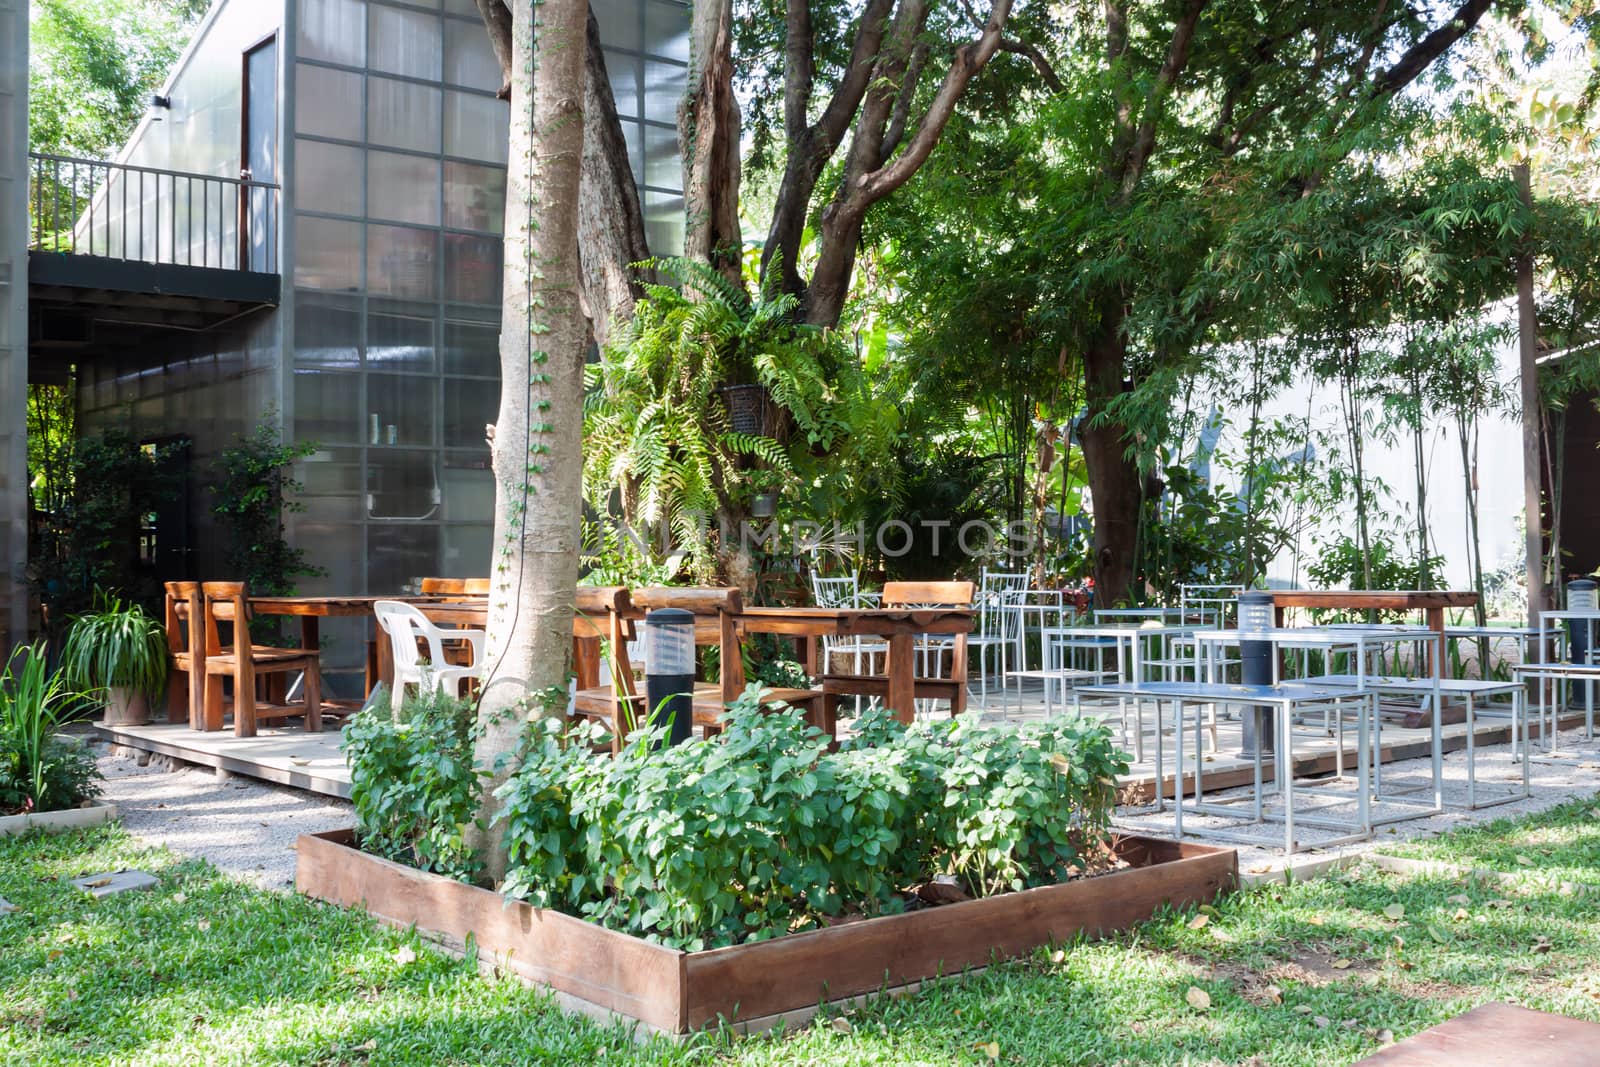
x=13 y=321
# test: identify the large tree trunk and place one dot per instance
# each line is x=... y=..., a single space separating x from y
x=610 y=223
x=538 y=458
x=1114 y=479
x=708 y=131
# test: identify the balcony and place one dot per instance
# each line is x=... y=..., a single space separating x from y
x=120 y=254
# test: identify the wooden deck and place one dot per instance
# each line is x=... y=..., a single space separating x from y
x=284 y=755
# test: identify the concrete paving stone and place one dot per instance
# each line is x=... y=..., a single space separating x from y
x=111 y=883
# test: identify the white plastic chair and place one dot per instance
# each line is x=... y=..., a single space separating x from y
x=405 y=626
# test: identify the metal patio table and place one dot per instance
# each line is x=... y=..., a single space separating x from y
x=1128 y=640
x=1592 y=621
x=1286 y=700
x=1471 y=690
x=1549 y=712
x=1360 y=639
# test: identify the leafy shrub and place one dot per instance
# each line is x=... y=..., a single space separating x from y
x=765 y=830
x=39 y=770
x=413 y=782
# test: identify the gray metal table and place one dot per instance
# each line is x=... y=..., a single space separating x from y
x=1286 y=700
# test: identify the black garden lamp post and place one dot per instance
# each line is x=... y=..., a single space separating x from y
x=669 y=671
x=1255 y=668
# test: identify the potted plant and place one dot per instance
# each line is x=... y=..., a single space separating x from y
x=121 y=652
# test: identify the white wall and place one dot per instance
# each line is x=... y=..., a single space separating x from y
x=1499 y=479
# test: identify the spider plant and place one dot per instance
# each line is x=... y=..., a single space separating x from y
x=39 y=771
x=116 y=646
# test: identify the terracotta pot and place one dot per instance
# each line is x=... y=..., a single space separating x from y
x=126 y=707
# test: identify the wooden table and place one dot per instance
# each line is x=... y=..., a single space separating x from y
x=1432 y=602
x=310 y=610
x=901 y=627
x=1493 y=1035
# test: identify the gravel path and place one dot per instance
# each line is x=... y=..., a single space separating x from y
x=244 y=827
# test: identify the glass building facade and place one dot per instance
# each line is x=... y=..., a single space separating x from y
x=391 y=148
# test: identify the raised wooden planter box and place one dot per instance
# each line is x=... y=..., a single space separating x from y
x=747 y=985
x=59 y=822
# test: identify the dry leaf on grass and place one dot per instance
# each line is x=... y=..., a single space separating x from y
x=1395 y=911
x=1198 y=998
x=1314 y=920
x=991 y=1049
x=406 y=955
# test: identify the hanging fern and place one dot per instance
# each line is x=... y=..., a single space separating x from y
x=659 y=441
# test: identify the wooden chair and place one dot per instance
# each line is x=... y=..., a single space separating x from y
x=185 y=625
x=454 y=588
x=937 y=595
x=245 y=662
x=604 y=619
x=910 y=595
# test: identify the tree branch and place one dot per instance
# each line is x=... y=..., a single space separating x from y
x=1036 y=57
x=902 y=105
x=1419 y=56
x=497 y=20
x=1144 y=140
x=799 y=68
x=835 y=120
x=969 y=59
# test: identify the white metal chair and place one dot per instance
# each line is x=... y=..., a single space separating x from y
x=999 y=624
x=406 y=626
x=862 y=652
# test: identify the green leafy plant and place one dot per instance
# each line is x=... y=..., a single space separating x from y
x=413 y=783
x=252 y=491
x=660 y=444
x=117 y=646
x=90 y=540
x=39 y=770
x=765 y=830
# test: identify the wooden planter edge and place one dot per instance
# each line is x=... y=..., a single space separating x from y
x=677 y=992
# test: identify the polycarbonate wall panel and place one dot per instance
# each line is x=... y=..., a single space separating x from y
x=400 y=147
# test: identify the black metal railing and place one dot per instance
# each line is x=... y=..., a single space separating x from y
x=123 y=211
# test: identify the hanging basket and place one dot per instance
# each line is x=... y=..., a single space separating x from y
x=748 y=408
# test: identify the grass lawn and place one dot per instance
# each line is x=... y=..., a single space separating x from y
x=1561 y=844
x=207 y=970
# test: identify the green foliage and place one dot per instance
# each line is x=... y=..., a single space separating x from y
x=93 y=541
x=39 y=770
x=117 y=646
x=93 y=64
x=765 y=830
x=1340 y=565
x=251 y=494
x=659 y=442
x=413 y=782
